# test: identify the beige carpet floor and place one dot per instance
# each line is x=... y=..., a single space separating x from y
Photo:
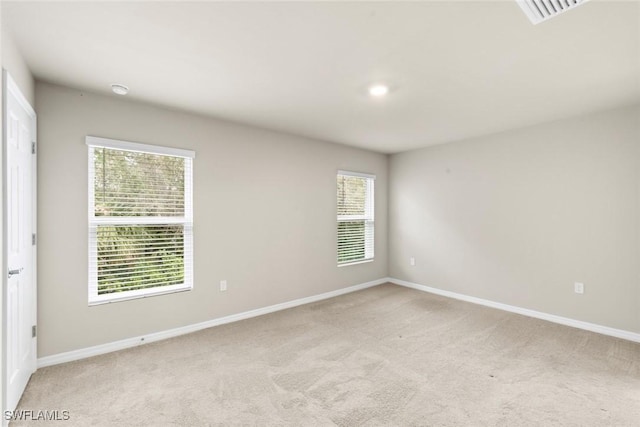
x=383 y=356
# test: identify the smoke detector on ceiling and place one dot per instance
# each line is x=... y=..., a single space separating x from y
x=541 y=10
x=119 y=89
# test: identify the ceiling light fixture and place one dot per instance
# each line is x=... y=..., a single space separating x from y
x=378 y=90
x=119 y=89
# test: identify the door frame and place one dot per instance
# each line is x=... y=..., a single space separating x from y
x=10 y=87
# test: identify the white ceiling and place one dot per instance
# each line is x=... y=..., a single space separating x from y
x=457 y=69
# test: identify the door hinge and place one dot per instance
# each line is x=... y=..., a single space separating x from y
x=33 y=239
x=34 y=331
x=33 y=147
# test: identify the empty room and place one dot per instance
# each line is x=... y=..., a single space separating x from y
x=320 y=213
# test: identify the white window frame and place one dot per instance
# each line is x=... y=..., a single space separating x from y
x=94 y=221
x=368 y=217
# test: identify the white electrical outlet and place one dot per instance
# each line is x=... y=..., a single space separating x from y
x=578 y=288
x=223 y=285
x=412 y=261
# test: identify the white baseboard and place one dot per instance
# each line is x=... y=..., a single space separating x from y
x=144 y=339
x=83 y=353
x=605 y=330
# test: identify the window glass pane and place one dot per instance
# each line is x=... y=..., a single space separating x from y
x=355 y=217
x=140 y=220
x=128 y=183
x=132 y=257
x=352 y=192
x=351 y=241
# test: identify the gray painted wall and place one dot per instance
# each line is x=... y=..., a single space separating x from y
x=518 y=217
x=264 y=217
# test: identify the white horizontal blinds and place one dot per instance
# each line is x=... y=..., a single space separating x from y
x=355 y=220
x=140 y=220
x=131 y=257
x=128 y=183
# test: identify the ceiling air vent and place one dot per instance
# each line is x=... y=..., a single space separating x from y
x=541 y=10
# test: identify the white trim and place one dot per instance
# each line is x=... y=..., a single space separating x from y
x=136 y=341
x=94 y=297
x=368 y=218
x=95 y=141
x=358 y=174
x=604 y=330
x=137 y=220
x=13 y=88
x=350 y=218
x=83 y=353
x=141 y=293
x=364 y=261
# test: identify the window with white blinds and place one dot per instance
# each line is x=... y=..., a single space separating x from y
x=140 y=220
x=355 y=217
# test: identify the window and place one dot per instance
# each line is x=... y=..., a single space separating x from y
x=355 y=217
x=140 y=220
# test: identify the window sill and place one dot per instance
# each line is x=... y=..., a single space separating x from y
x=364 y=261
x=146 y=293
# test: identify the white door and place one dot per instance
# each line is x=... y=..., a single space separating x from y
x=19 y=227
